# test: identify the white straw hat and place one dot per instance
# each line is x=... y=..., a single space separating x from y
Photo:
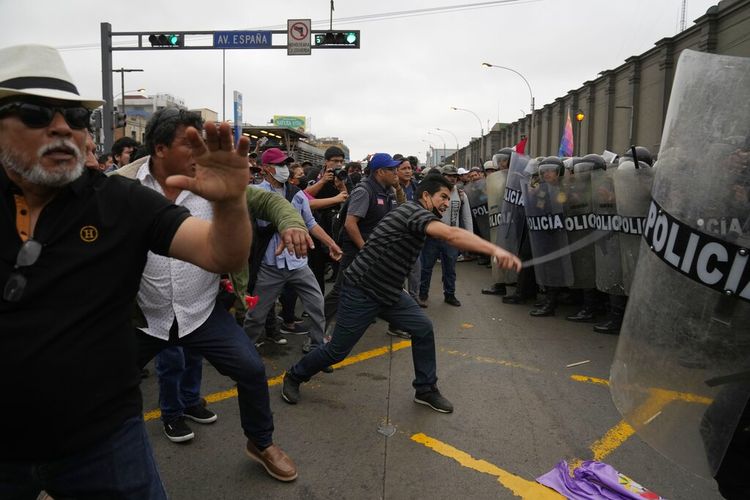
x=38 y=70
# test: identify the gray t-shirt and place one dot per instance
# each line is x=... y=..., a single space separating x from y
x=359 y=202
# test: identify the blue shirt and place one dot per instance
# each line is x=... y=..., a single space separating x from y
x=410 y=190
x=286 y=259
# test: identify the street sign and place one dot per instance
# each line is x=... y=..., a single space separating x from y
x=298 y=37
x=237 y=116
x=242 y=40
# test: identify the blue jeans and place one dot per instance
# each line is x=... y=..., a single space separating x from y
x=180 y=371
x=224 y=344
x=355 y=314
x=430 y=252
x=121 y=466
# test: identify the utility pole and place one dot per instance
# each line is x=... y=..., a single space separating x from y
x=122 y=72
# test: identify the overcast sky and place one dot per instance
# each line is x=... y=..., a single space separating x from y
x=383 y=97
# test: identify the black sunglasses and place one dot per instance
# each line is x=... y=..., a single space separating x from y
x=40 y=115
x=16 y=284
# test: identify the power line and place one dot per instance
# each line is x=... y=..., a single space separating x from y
x=383 y=16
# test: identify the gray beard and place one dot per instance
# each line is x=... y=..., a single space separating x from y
x=38 y=175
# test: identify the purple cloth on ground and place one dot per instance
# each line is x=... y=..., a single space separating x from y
x=594 y=481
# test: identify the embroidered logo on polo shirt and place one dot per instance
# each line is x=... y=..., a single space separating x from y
x=89 y=234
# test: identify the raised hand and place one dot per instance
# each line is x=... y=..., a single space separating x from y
x=221 y=173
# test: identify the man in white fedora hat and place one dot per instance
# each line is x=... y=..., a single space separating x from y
x=74 y=244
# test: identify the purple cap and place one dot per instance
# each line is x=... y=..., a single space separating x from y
x=382 y=160
x=275 y=156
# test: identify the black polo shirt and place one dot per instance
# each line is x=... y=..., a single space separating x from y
x=68 y=370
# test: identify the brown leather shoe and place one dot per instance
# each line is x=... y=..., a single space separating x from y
x=274 y=460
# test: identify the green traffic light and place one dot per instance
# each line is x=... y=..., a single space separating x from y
x=351 y=37
x=173 y=39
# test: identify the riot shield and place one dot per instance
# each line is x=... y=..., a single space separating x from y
x=544 y=198
x=633 y=193
x=579 y=223
x=607 y=243
x=476 y=192
x=495 y=183
x=681 y=373
x=511 y=224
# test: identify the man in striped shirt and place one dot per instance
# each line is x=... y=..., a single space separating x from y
x=373 y=287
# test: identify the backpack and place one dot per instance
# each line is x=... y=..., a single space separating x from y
x=337 y=225
x=261 y=238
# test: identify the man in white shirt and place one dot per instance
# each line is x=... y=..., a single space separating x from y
x=178 y=300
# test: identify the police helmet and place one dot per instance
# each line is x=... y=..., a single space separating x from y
x=503 y=154
x=644 y=155
x=588 y=163
x=552 y=162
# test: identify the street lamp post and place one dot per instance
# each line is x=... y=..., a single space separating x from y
x=432 y=151
x=579 y=118
x=442 y=139
x=481 y=130
x=531 y=96
x=456 y=138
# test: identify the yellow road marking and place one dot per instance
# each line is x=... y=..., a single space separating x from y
x=520 y=487
x=357 y=358
x=590 y=380
x=487 y=360
x=641 y=416
x=612 y=440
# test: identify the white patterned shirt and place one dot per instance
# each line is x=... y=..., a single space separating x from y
x=171 y=288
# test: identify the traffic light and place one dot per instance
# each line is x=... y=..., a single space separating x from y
x=167 y=40
x=121 y=119
x=338 y=39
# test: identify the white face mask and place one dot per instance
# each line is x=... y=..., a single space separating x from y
x=282 y=173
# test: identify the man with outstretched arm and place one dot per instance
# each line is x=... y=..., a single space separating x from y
x=373 y=287
x=75 y=243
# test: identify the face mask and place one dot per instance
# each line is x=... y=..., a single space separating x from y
x=355 y=177
x=282 y=173
x=434 y=210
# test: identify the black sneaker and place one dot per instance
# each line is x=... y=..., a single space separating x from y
x=434 y=400
x=297 y=320
x=178 y=431
x=200 y=414
x=452 y=300
x=290 y=390
x=276 y=338
x=294 y=329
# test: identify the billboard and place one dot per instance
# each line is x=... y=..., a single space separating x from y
x=294 y=122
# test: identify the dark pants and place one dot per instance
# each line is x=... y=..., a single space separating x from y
x=288 y=299
x=121 y=466
x=180 y=372
x=430 y=252
x=224 y=344
x=526 y=285
x=316 y=261
x=355 y=314
x=332 y=298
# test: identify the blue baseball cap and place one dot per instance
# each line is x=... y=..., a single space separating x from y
x=382 y=160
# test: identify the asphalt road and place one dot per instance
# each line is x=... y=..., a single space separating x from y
x=519 y=410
